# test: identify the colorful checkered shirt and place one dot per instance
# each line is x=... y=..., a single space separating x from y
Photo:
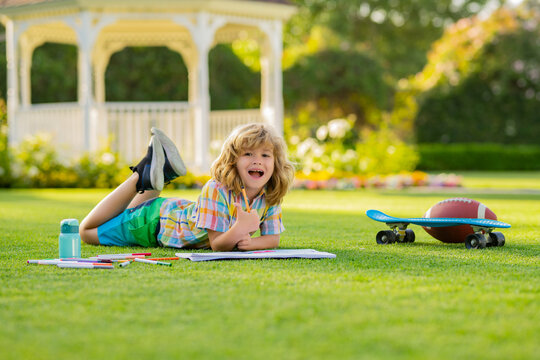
x=183 y=223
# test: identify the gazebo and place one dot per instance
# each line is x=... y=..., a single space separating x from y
x=99 y=28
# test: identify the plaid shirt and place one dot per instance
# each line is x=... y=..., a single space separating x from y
x=183 y=223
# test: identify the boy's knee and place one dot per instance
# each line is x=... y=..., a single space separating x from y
x=89 y=236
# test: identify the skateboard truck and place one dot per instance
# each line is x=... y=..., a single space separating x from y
x=399 y=233
x=478 y=240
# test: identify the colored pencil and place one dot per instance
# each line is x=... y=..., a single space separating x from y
x=59 y=261
x=246 y=199
x=101 y=261
x=164 y=258
x=116 y=257
x=83 y=266
x=134 y=254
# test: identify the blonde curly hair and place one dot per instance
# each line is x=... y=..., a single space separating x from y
x=248 y=137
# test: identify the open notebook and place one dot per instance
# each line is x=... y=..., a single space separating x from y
x=259 y=254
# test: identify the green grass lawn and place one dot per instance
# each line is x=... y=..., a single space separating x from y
x=513 y=180
x=423 y=300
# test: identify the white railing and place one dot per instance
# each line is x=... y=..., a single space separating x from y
x=63 y=121
x=127 y=126
x=223 y=121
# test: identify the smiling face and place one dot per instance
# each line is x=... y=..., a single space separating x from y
x=255 y=167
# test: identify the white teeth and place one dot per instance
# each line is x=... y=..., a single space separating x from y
x=256 y=172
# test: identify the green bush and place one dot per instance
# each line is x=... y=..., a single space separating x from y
x=339 y=150
x=35 y=163
x=452 y=157
x=102 y=169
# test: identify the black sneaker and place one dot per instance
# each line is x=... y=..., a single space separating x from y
x=173 y=165
x=150 y=167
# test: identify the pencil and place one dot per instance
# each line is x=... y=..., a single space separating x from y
x=246 y=199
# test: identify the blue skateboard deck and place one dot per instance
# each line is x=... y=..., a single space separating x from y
x=481 y=238
x=435 y=222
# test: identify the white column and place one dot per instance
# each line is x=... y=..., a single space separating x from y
x=102 y=124
x=85 y=93
x=102 y=57
x=26 y=51
x=12 y=80
x=271 y=75
x=87 y=32
x=100 y=68
x=202 y=33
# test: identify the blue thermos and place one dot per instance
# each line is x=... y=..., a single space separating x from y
x=69 y=241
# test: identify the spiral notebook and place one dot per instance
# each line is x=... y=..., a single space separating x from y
x=258 y=254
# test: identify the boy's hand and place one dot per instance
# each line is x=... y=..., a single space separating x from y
x=244 y=243
x=248 y=222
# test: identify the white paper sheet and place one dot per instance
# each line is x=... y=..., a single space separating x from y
x=258 y=254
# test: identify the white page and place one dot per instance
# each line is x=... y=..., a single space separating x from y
x=258 y=254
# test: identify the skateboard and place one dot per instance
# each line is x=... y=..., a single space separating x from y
x=401 y=234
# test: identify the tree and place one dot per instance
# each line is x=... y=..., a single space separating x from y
x=398 y=32
x=482 y=81
x=337 y=83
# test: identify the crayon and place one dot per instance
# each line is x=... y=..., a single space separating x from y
x=83 y=266
x=246 y=199
x=146 y=261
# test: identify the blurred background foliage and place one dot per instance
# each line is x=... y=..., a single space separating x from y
x=403 y=75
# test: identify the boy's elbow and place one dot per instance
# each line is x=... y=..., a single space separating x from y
x=219 y=246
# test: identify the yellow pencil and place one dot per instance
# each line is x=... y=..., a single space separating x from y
x=246 y=199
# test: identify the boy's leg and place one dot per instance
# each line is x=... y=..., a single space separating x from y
x=145 y=196
x=145 y=183
x=111 y=206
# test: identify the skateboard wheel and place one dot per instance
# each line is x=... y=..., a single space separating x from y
x=497 y=238
x=475 y=241
x=409 y=236
x=386 y=237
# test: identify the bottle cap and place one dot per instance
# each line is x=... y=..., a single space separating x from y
x=69 y=226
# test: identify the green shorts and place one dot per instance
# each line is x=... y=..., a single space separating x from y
x=136 y=226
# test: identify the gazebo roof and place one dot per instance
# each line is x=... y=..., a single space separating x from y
x=276 y=9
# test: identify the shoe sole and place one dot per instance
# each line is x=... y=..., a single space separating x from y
x=158 y=161
x=171 y=151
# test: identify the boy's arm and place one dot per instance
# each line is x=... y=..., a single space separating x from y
x=259 y=243
x=246 y=223
x=224 y=241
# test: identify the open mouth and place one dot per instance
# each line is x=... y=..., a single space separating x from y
x=256 y=173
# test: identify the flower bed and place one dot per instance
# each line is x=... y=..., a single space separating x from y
x=326 y=181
